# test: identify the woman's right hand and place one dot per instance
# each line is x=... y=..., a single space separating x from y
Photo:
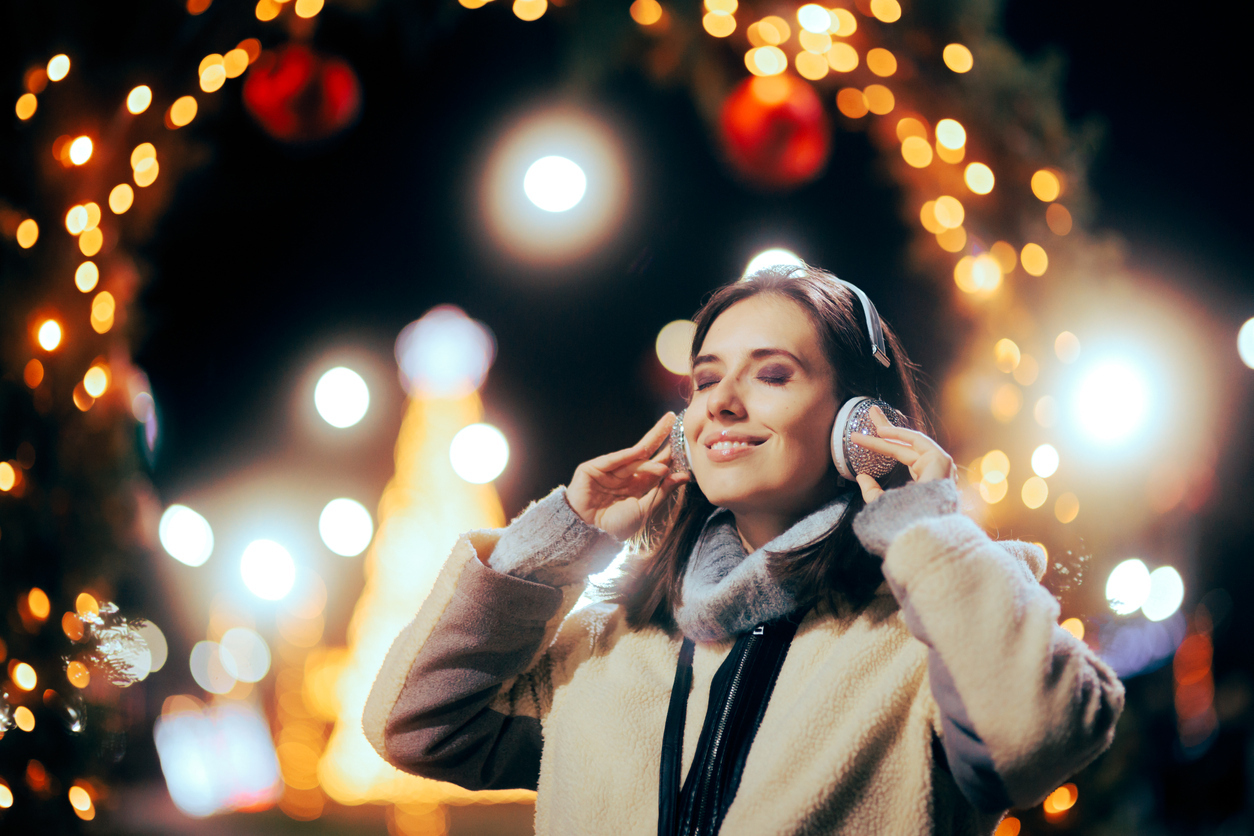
x=616 y=492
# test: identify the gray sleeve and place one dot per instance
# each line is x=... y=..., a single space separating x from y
x=441 y=725
x=549 y=543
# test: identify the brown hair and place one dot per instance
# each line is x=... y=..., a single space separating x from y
x=836 y=569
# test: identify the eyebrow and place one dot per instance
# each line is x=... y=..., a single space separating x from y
x=756 y=354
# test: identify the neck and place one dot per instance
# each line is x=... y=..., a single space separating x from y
x=759 y=527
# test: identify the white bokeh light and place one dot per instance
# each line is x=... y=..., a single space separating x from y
x=185 y=535
x=814 y=18
x=1245 y=343
x=346 y=527
x=444 y=354
x=479 y=453
x=1128 y=586
x=268 y=569
x=1111 y=402
x=208 y=668
x=1166 y=594
x=158 y=648
x=555 y=184
x=1045 y=461
x=772 y=258
x=341 y=397
x=245 y=654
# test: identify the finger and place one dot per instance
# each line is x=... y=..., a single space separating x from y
x=901 y=452
x=871 y=489
x=641 y=449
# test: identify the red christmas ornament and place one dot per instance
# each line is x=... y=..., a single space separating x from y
x=775 y=132
x=297 y=95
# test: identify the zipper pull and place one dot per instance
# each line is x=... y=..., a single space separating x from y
x=759 y=630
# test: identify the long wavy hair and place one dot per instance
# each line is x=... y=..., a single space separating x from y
x=835 y=569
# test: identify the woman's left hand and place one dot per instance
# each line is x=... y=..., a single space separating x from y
x=923 y=456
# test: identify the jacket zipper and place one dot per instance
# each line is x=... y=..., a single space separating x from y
x=712 y=760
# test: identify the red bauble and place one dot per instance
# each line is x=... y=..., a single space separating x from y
x=297 y=95
x=775 y=132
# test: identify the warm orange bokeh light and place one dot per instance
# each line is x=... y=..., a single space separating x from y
x=8 y=476
x=38 y=604
x=27 y=104
x=86 y=276
x=851 y=102
x=927 y=216
x=979 y=178
x=881 y=62
x=646 y=12
x=58 y=67
x=49 y=335
x=24 y=676
x=811 y=66
x=1058 y=219
x=886 y=11
x=844 y=23
x=267 y=10
x=24 y=718
x=842 y=58
x=1067 y=508
x=1035 y=261
x=183 y=111
x=817 y=42
x=27 y=233
x=719 y=24
x=879 y=99
x=1005 y=255
x=146 y=172
x=72 y=626
x=958 y=58
x=138 y=100
x=523 y=9
x=90 y=242
x=1046 y=185
x=908 y=126
x=952 y=240
x=1075 y=627
x=77 y=674
x=917 y=151
x=33 y=374
x=96 y=381
x=86 y=604
x=949 y=212
x=121 y=198
x=80 y=150
x=950 y=134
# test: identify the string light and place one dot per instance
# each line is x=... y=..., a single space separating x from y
x=138 y=100
x=27 y=233
x=958 y=58
x=86 y=276
x=121 y=197
x=27 y=104
x=49 y=335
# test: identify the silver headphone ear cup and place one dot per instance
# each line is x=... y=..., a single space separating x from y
x=680 y=461
x=850 y=458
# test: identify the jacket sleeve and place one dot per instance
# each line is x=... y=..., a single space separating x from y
x=1023 y=703
x=465 y=686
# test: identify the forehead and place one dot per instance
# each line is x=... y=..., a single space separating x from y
x=763 y=321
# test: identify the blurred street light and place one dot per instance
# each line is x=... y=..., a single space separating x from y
x=341 y=397
x=479 y=453
x=268 y=569
x=185 y=535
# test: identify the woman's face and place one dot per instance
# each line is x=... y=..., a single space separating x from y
x=760 y=421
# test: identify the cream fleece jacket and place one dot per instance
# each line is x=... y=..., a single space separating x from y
x=496 y=684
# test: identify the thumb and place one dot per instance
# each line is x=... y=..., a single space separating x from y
x=871 y=489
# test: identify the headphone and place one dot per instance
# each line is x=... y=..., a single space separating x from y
x=854 y=416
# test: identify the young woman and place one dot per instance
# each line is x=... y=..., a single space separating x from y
x=789 y=653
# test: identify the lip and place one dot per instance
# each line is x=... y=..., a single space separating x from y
x=734 y=452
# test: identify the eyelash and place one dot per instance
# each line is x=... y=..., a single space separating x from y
x=773 y=379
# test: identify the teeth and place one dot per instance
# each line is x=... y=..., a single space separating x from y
x=730 y=445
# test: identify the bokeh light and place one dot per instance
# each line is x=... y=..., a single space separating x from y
x=646 y=12
x=445 y=353
x=146 y=171
x=774 y=257
x=86 y=276
x=881 y=62
x=879 y=99
x=886 y=11
x=244 y=654
x=8 y=476
x=1035 y=491
x=345 y=527
x=24 y=676
x=38 y=604
x=1006 y=402
x=341 y=397
x=183 y=111
x=96 y=381
x=811 y=66
x=27 y=233
x=479 y=453
x=208 y=668
x=267 y=569
x=24 y=719
x=1046 y=185
x=27 y=104
x=1045 y=460
x=80 y=150
x=979 y=178
x=817 y=43
x=814 y=18
x=49 y=335
x=1074 y=626
x=185 y=535
x=1245 y=343
x=851 y=102
x=949 y=212
x=1111 y=402
x=1166 y=594
x=957 y=58
x=1058 y=219
x=158 y=648
x=121 y=197
x=90 y=242
x=58 y=67
x=720 y=24
x=1034 y=259
x=555 y=184
x=844 y=23
x=1067 y=508
x=1128 y=586
x=1006 y=355
x=138 y=100
x=766 y=60
x=673 y=345
x=309 y=8
x=917 y=152
x=950 y=134
x=843 y=59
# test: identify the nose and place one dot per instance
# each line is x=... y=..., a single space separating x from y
x=724 y=400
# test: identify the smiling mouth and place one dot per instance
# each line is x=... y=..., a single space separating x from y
x=725 y=446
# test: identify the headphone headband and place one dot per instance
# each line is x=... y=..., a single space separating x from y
x=873 y=327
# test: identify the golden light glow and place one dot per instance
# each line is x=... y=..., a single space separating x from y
x=1027 y=370
x=811 y=66
x=80 y=150
x=673 y=344
x=121 y=197
x=1074 y=626
x=58 y=67
x=979 y=178
x=851 y=102
x=646 y=12
x=235 y=62
x=1006 y=355
x=881 y=62
x=1058 y=219
x=212 y=73
x=814 y=18
x=96 y=381
x=958 y=58
x=1067 y=347
x=1061 y=799
x=1035 y=261
x=146 y=172
x=1005 y=255
x=763 y=34
x=917 y=151
x=24 y=718
x=103 y=308
x=252 y=47
x=38 y=604
x=719 y=24
x=72 y=627
x=888 y=11
x=976 y=274
x=951 y=155
x=6 y=795
x=722 y=6
x=473 y=4
x=27 y=233
x=766 y=60
x=82 y=400
x=816 y=42
x=143 y=151
x=523 y=9
x=1067 y=508
x=908 y=126
x=994 y=466
x=33 y=373
x=927 y=216
x=24 y=676
x=90 y=242
x=211 y=60
x=1035 y=492
x=138 y=100
x=951 y=134
x=1009 y=826
x=86 y=604
x=879 y=99
x=77 y=674
x=86 y=276
x=843 y=59
x=93 y=215
x=79 y=799
x=1046 y=411
x=195 y=7
x=49 y=335
x=1046 y=185
x=844 y=23
x=993 y=492
x=183 y=111
x=27 y=104
x=267 y=10
x=952 y=240
x=1006 y=403
x=8 y=476
x=949 y=212
x=782 y=30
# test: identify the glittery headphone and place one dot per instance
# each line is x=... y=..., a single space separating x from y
x=854 y=416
